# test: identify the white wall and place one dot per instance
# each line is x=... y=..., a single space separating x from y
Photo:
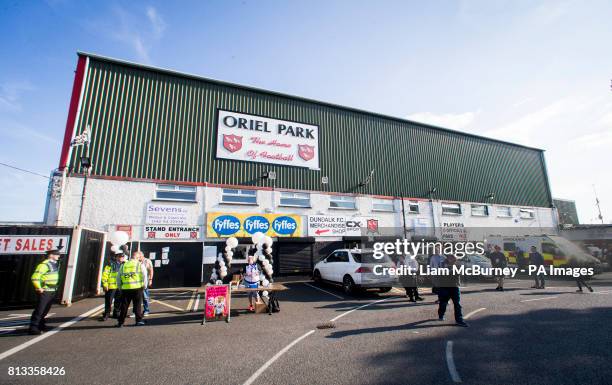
x=111 y=202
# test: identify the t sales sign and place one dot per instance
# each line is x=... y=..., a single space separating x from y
x=33 y=244
x=259 y=139
x=172 y=232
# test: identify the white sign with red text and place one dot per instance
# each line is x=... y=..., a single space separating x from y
x=172 y=232
x=336 y=225
x=33 y=244
x=253 y=138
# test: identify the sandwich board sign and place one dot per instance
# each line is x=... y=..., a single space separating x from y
x=217 y=303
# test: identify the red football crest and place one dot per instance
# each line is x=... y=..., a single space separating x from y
x=372 y=225
x=232 y=143
x=305 y=151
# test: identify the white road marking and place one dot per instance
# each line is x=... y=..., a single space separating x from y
x=48 y=334
x=13 y=316
x=450 y=362
x=168 y=305
x=175 y=295
x=275 y=357
x=197 y=303
x=188 y=308
x=324 y=291
x=474 y=312
x=540 y=299
x=357 y=308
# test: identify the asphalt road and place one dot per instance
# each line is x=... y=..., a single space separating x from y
x=519 y=336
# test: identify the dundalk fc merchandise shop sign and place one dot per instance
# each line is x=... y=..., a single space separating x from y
x=245 y=225
x=253 y=138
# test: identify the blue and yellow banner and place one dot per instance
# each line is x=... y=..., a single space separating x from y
x=245 y=225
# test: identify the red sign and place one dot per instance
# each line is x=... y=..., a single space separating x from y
x=372 y=225
x=125 y=228
x=217 y=302
x=305 y=151
x=232 y=143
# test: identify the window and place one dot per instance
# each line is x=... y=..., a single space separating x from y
x=504 y=212
x=509 y=246
x=413 y=207
x=235 y=196
x=295 y=199
x=342 y=202
x=480 y=210
x=343 y=256
x=175 y=193
x=382 y=205
x=527 y=213
x=451 y=209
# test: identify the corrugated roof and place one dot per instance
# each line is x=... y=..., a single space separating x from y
x=261 y=90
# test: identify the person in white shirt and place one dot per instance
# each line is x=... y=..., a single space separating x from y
x=147 y=268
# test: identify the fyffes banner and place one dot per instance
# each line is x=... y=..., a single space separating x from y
x=245 y=225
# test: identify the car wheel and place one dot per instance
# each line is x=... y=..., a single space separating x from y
x=384 y=289
x=348 y=286
x=316 y=276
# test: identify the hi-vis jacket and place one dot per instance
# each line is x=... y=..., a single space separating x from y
x=131 y=275
x=109 y=275
x=46 y=275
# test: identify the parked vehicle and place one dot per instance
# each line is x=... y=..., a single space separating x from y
x=556 y=250
x=354 y=270
x=480 y=260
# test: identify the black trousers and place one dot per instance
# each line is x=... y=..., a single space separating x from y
x=109 y=295
x=580 y=281
x=412 y=292
x=450 y=293
x=128 y=296
x=539 y=280
x=43 y=305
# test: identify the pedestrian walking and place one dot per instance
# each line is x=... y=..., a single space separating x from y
x=499 y=260
x=110 y=287
x=435 y=261
x=581 y=279
x=449 y=290
x=410 y=281
x=148 y=267
x=45 y=281
x=131 y=281
x=536 y=259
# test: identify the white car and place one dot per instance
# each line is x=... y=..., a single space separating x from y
x=353 y=269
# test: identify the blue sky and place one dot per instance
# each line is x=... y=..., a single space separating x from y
x=535 y=73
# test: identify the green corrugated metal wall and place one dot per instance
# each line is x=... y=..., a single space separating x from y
x=154 y=125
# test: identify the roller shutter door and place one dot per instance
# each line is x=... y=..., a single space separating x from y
x=295 y=258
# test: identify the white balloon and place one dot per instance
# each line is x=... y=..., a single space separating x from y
x=119 y=238
x=220 y=258
x=229 y=259
x=265 y=293
x=266 y=262
x=219 y=282
x=265 y=283
x=227 y=248
x=229 y=254
x=257 y=237
x=259 y=246
x=262 y=278
x=258 y=253
x=269 y=251
x=231 y=242
x=262 y=258
x=221 y=264
x=267 y=240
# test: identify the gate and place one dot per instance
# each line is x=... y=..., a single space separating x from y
x=89 y=257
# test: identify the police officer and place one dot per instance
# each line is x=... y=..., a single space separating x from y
x=109 y=285
x=131 y=282
x=45 y=280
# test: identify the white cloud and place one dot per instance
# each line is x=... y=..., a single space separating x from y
x=157 y=22
x=11 y=92
x=454 y=121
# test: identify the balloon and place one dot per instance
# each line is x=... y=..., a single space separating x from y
x=265 y=293
x=229 y=259
x=232 y=242
x=259 y=246
x=219 y=258
x=119 y=238
x=267 y=240
x=219 y=282
x=258 y=253
x=229 y=254
x=262 y=258
x=266 y=262
x=227 y=248
x=221 y=264
x=257 y=237
x=265 y=283
x=269 y=250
